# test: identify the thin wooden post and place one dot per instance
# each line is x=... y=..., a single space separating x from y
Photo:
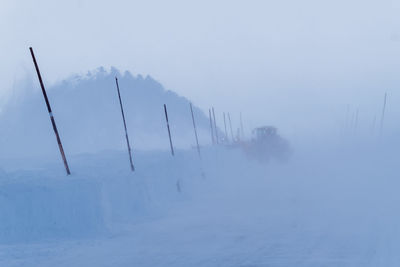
x=60 y=146
x=215 y=126
x=126 y=131
x=230 y=124
x=241 y=126
x=195 y=131
x=226 y=133
x=211 y=127
x=169 y=132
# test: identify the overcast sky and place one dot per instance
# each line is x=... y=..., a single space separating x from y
x=291 y=63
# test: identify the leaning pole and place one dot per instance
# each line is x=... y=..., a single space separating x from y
x=226 y=132
x=195 y=131
x=211 y=127
x=126 y=131
x=53 y=122
x=215 y=127
x=169 y=132
x=230 y=124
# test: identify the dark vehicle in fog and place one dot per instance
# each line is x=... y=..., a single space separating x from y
x=267 y=144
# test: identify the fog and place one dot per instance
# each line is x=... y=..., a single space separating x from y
x=310 y=180
x=296 y=65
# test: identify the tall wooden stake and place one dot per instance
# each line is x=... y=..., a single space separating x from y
x=50 y=113
x=169 y=132
x=383 y=115
x=230 y=125
x=126 y=131
x=211 y=127
x=241 y=126
x=197 y=139
x=215 y=127
x=195 y=131
x=226 y=133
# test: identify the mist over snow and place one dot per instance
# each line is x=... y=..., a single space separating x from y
x=333 y=200
x=311 y=180
x=88 y=116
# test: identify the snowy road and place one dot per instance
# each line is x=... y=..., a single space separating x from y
x=222 y=238
x=291 y=215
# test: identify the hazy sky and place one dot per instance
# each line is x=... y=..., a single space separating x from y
x=291 y=63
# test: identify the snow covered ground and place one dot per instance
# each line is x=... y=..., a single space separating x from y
x=328 y=206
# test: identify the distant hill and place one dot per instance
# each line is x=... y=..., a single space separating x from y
x=87 y=113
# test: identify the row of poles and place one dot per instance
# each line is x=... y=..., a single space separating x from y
x=214 y=129
x=352 y=121
x=213 y=124
x=215 y=138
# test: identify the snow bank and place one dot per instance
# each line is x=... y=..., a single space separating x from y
x=46 y=208
x=102 y=191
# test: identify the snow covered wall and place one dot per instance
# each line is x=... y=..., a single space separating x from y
x=35 y=208
x=102 y=191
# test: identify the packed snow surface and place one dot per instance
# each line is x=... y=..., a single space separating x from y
x=327 y=206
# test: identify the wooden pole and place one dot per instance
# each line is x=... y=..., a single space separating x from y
x=169 y=132
x=60 y=146
x=230 y=125
x=215 y=127
x=126 y=131
x=197 y=139
x=241 y=126
x=195 y=131
x=226 y=133
x=211 y=127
